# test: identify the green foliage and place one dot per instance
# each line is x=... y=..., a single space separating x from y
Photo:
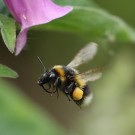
x=86 y=20
x=18 y=116
x=113 y=106
x=84 y=3
x=112 y=110
x=92 y=23
x=8 y=32
x=7 y=72
x=3 y=9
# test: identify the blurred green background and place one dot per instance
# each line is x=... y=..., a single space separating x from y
x=112 y=110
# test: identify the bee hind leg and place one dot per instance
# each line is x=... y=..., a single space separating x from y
x=68 y=97
x=69 y=89
x=57 y=92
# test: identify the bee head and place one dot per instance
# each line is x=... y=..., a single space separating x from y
x=44 y=78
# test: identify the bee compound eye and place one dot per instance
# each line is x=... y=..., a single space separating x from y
x=52 y=75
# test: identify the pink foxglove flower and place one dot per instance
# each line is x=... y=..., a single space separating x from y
x=29 y=13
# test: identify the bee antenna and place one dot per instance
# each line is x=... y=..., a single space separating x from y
x=41 y=63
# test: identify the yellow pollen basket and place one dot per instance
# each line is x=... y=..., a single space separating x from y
x=77 y=94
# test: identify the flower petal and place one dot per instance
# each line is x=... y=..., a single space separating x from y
x=29 y=13
x=21 y=40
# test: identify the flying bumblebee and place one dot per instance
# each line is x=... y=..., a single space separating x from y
x=68 y=79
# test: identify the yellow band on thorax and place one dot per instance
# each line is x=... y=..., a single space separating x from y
x=59 y=69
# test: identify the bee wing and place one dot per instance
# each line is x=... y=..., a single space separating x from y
x=84 y=55
x=91 y=75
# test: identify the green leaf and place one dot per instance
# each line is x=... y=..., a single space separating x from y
x=18 y=116
x=76 y=2
x=3 y=8
x=93 y=23
x=7 y=72
x=8 y=31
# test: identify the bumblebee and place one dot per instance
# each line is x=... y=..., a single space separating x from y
x=68 y=79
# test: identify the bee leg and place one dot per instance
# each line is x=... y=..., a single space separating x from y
x=57 y=92
x=57 y=82
x=69 y=88
x=46 y=89
x=68 y=97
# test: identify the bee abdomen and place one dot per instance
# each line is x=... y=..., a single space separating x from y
x=88 y=96
x=86 y=90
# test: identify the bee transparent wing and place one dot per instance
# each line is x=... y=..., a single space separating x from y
x=91 y=75
x=84 y=55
